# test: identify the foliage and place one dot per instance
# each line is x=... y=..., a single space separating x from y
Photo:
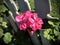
x=32 y=4
x=2 y=6
x=47 y=34
x=3 y=23
x=1 y=32
x=1 y=19
x=53 y=32
x=58 y=2
x=7 y=37
x=55 y=8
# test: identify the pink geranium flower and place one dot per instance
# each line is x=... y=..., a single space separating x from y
x=29 y=20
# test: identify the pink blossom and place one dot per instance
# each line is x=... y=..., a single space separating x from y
x=34 y=16
x=29 y=20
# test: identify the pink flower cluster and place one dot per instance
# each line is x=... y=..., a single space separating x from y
x=29 y=20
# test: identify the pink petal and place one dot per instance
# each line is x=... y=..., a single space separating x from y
x=39 y=21
x=31 y=20
x=19 y=18
x=34 y=16
x=33 y=26
x=28 y=13
x=25 y=18
x=39 y=26
x=23 y=26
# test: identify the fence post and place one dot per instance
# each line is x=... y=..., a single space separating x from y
x=42 y=8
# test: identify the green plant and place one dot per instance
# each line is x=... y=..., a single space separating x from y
x=55 y=8
x=1 y=32
x=53 y=32
x=7 y=37
x=2 y=6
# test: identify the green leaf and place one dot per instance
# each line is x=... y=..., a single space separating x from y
x=55 y=8
x=46 y=33
x=1 y=32
x=7 y=37
x=49 y=37
x=2 y=8
x=32 y=4
x=4 y=24
x=59 y=37
x=56 y=33
x=1 y=19
x=51 y=23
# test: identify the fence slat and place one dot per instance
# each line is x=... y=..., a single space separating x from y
x=22 y=5
x=12 y=13
x=44 y=40
x=42 y=8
